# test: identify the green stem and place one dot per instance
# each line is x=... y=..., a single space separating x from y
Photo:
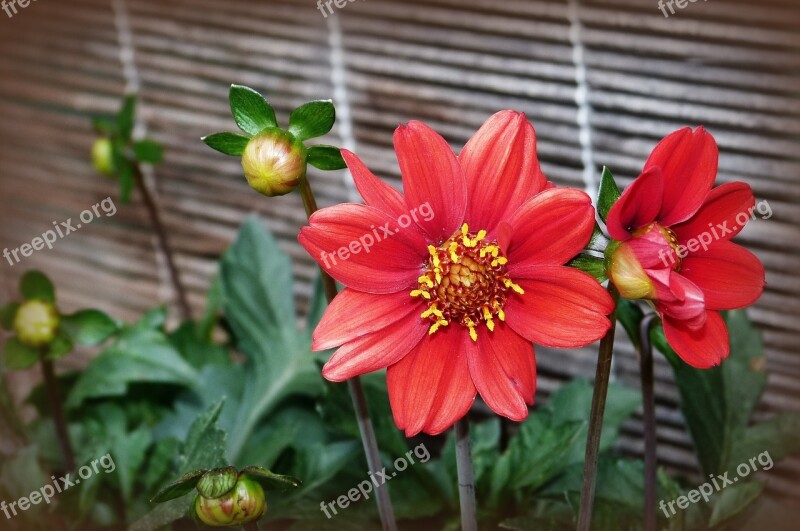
x=649 y=415
x=57 y=410
x=466 y=479
x=596 y=419
x=365 y=426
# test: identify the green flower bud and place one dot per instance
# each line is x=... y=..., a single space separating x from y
x=36 y=323
x=241 y=505
x=274 y=162
x=103 y=156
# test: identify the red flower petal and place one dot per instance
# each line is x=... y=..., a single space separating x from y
x=375 y=351
x=501 y=168
x=730 y=276
x=353 y=314
x=503 y=367
x=433 y=176
x=375 y=192
x=688 y=160
x=638 y=205
x=703 y=348
x=431 y=388
x=688 y=305
x=551 y=228
x=561 y=307
x=392 y=263
x=717 y=218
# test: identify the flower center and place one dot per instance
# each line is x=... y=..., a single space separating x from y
x=466 y=282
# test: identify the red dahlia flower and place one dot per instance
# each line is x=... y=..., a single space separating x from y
x=675 y=250
x=448 y=284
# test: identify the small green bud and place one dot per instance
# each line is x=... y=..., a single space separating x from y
x=241 y=505
x=103 y=156
x=274 y=162
x=36 y=323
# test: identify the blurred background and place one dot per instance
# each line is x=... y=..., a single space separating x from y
x=602 y=81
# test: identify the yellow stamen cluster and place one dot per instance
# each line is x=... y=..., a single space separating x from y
x=466 y=282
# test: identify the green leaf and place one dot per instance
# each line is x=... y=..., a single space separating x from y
x=205 y=444
x=326 y=157
x=250 y=110
x=127 y=178
x=630 y=315
x=17 y=356
x=126 y=119
x=35 y=285
x=148 y=151
x=218 y=482
x=7 y=315
x=589 y=264
x=59 y=347
x=104 y=126
x=140 y=354
x=717 y=403
x=271 y=481
x=776 y=438
x=312 y=119
x=228 y=143
x=89 y=327
x=130 y=451
x=179 y=487
x=733 y=500
x=258 y=301
x=608 y=194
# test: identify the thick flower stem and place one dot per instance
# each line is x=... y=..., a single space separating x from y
x=466 y=480
x=57 y=410
x=368 y=438
x=163 y=243
x=648 y=396
x=596 y=420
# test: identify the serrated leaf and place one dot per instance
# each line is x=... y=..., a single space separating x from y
x=228 y=143
x=7 y=315
x=258 y=301
x=126 y=119
x=608 y=194
x=88 y=327
x=35 y=285
x=326 y=157
x=250 y=110
x=17 y=356
x=312 y=119
x=271 y=481
x=148 y=151
x=179 y=487
x=140 y=354
x=205 y=443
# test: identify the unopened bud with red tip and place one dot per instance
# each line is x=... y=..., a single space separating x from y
x=242 y=504
x=36 y=323
x=103 y=156
x=274 y=162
